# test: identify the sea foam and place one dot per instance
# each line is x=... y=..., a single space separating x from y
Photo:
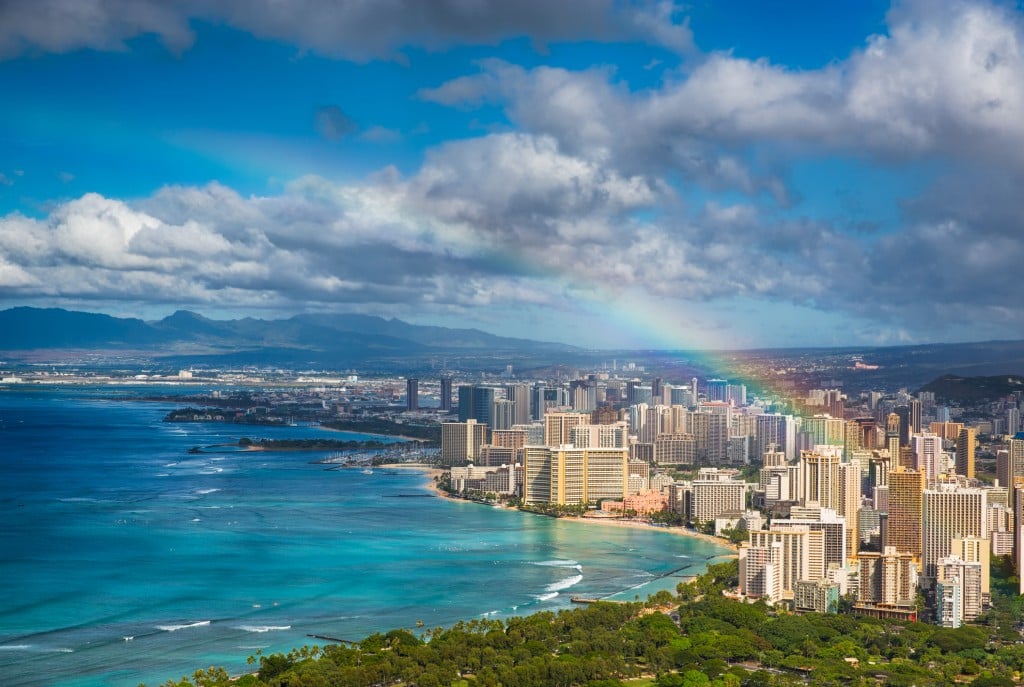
x=183 y=626
x=563 y=583
x=263 y=628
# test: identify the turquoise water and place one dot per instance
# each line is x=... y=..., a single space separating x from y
x=125 y=559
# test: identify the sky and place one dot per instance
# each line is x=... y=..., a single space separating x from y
x=607 y=173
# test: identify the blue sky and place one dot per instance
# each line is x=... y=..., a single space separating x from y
x=708 y=174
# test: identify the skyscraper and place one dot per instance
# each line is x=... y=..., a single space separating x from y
x=446 y=394
x=412 y=394
x=519 y=394
x=475 y=403
x=929 y=457
x=965 y=443
x=903 y=526
x=949 y=513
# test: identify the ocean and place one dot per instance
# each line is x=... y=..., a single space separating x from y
x=126 y=559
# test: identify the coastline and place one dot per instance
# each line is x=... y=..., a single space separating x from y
x=432 y=472
x=642 y=525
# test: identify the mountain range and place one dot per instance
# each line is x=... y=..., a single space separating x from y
x=302 y=338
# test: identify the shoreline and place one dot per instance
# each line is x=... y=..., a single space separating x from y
x=432 y=472
x=644 y=525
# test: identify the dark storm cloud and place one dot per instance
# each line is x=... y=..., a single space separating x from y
x=349 y=29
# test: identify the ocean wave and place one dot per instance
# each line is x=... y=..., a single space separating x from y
x=563 y=583
x=558 y=563
x=263 y=628
x=546 y=597
x=183 y=626
x=204 y=492
x=15 y=647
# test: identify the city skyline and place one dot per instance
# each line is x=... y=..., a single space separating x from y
x=635 y=174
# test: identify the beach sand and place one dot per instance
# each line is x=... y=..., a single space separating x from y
x=433 y=473
x=642 y=525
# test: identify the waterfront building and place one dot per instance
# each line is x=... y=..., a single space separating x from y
x=715 y=493
x=461 y=442
x=567 y=475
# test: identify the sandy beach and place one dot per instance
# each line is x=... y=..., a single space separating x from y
x=433 y=473
x=641 y=525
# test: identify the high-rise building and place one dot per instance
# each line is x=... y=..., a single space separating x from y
x=503 y=414
x=713 y=496
x=929 y=457
x=977 y=550
x=412 y=394
x=775 y=433
x=903 y=412
x=903 y=524
x=675 y=449
x=476 y=403
x=1012 y=420
x=519 y=394
x=717 y=389
x=461 y=441
x=834 y=528
x=802 y=554
x=600 y=436
x=825 y=430
x=558 y=427
x=820 y=478
x=567 y=475
x=888 y=578
x=849 y=503
x=446 y=394
x=965 y=444
x=914 y=407
x=583 y=395
x=711 y=431
x=958 y=595
x=948 y=513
